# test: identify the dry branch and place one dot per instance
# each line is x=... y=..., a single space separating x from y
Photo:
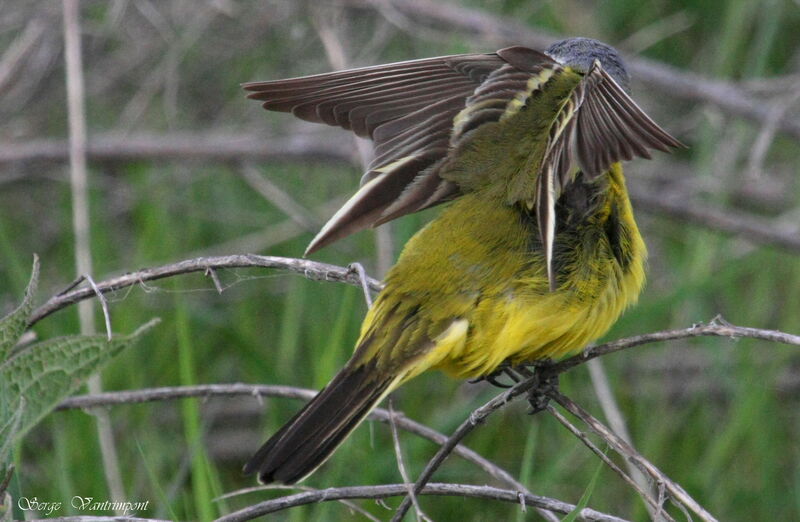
x=178 y=146
x=716 y=328
x=653 y=505
x=15 y=54
x=393 y=490
x=310 y=269
x=675 y=491
x=753 y=228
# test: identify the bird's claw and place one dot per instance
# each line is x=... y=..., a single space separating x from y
x=539 y=395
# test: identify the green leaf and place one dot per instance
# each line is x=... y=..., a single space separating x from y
x=8 y=430
x=35 y=379
x=14 y=324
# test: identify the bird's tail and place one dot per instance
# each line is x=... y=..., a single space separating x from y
x=314 y=433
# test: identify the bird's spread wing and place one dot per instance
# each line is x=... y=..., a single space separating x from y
x=414 y=111
x=598 y=126
x=418 y=111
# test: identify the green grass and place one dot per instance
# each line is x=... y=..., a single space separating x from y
x=728 y=432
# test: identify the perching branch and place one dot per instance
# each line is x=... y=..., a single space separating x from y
x=545 y=372
x=718 y=327
x=296 y=487
x=475 y=418
x=393 y=490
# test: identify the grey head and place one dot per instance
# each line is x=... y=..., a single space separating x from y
x=580 y=54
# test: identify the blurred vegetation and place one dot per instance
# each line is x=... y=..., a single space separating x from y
x=720 y=417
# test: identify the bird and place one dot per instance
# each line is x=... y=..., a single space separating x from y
x=535 y=253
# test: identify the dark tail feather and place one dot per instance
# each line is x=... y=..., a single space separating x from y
x=312 y=435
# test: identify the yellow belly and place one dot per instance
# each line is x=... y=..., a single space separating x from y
x=470 y=291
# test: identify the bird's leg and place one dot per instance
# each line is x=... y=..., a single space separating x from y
x=491 y=378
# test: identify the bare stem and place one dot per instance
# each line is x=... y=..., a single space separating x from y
x=393 y=490
x=79 y=183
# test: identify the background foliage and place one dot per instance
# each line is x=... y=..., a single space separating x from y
x=720 y=417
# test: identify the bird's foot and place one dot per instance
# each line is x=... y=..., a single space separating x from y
x=539 y=395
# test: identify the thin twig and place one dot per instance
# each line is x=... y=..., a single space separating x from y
x=755 y=163
x=717 y=328
x=263 y=240
x=393 y=490
x=653 y=505
x=475 y=418
x=613 y=414
x=657 y=31
x=358 y=268
x=402 y=467
x=675 y=491
x=103 y=305
x=278 y=197
x=215 y=279
x=15 y=53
